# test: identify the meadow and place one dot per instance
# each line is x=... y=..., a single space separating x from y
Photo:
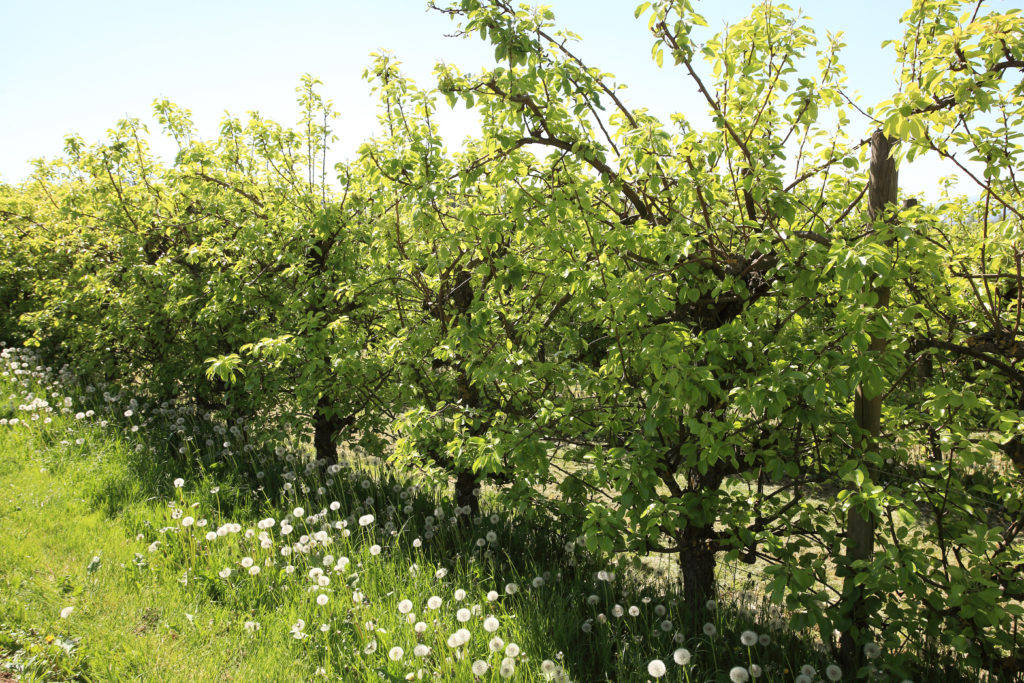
x=273 y=567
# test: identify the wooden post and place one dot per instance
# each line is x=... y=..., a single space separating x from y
x=860 y=528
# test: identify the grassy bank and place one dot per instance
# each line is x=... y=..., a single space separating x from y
x=150 y=543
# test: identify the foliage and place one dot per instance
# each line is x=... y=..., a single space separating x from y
x=659 y=336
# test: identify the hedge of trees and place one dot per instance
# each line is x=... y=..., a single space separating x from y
x=739 y=343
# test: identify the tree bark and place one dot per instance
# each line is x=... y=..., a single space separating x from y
x=465 y=494
x=697 y=567
x=326 y=428
x=860 y=526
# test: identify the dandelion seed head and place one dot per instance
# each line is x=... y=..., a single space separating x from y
x=738 y=674
x=507 y=668
x=681 y=656
x=656 y=668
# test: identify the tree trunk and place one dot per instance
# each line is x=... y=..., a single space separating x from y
x=326 y=427
x=465 y=495
x=697 y=567
x=860 y=526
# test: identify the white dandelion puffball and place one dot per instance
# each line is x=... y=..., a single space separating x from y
x=756 y=670
x=656 y=668
x=511 y=588
x=480 y=667
x=491 y=624
x=298 y=513
x=460 y=595
x=508 y=667
x=748 y=638
x=421 y=650
x=617 y=611
x=434 y=602
x=764 y=640
x=322 y=599
x=634 y=611
x=492 y=596
x=375 y=549
x=405 y=606
x=512 y=650
x=548 y=667
x=709 y=629
x=366 y=520
x=496 y=644
x=681 y=656
x=463 y=615
x=179 y=482
x=808 y=670
x=246 y=562
x=395 y=653
x=441 y=573
x=738 y=674
x=833 y=672
x=66 y=612
x=872 y=651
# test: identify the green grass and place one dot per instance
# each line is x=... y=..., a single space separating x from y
x=92 y=520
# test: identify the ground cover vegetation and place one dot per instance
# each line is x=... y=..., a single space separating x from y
x=739 y=344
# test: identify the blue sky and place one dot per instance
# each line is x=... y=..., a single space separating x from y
x=75 y=67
